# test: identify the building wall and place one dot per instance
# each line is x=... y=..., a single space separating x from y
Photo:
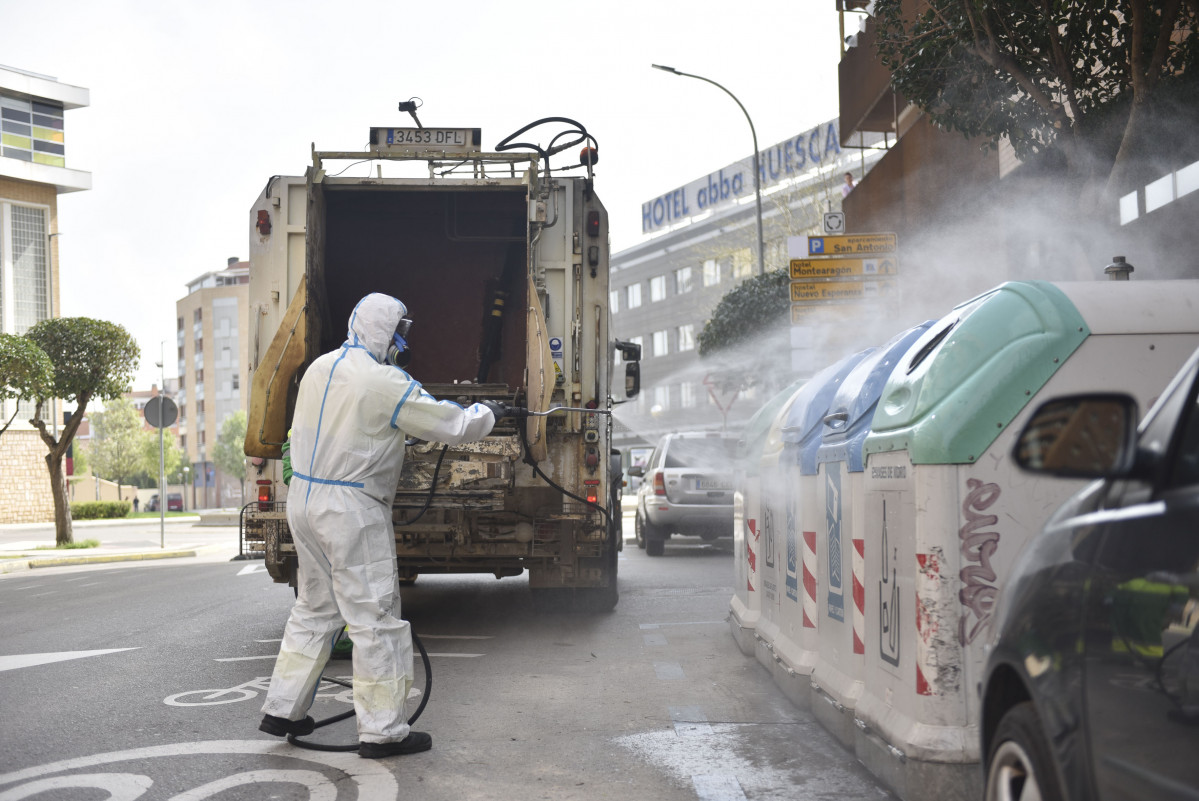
x=24 y=479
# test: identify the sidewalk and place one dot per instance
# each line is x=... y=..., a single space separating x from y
x=26 y=546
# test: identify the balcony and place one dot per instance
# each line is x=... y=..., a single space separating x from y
x=868 y=103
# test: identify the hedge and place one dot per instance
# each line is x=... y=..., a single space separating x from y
x=96 y=510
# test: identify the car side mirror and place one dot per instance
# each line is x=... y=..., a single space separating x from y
x=1080 y=436
x=637 y=470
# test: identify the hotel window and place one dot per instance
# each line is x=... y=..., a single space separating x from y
x=687 y=395
x=633 y=296
x=686 y=337
x=24 y=281
x=661 y=346
x=662 y=398
x=31 y=131
x=682 y=280
x=711 y=272
x=657 y=288
x=743 y=263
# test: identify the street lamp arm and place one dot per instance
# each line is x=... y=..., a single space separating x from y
x=757 y=167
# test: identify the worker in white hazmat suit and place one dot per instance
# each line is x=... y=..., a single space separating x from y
x=354 y=409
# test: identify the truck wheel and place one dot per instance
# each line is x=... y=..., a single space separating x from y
x=1020 y=764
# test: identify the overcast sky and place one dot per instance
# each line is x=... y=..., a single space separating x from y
x=194 y=105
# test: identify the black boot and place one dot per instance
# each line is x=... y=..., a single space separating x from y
x=414 y=743
x=282 y=726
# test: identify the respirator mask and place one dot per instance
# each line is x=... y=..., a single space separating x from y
x=398 y=352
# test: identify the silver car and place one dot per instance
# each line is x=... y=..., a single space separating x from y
x=687 y=488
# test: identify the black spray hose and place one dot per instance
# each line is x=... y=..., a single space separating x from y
x=424 y=655
x=424 y=658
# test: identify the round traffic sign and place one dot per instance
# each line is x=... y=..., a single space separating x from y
x=161 y=411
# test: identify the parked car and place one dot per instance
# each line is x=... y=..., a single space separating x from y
x=174 y=502
x=1092 y=681
x=687 y=489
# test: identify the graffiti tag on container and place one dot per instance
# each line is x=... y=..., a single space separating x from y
x=888 y=601
x=792 y=557
x=832 y=519
x=978 y=591
x=768 y=536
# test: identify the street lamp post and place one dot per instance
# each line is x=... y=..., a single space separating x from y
x=757 y=169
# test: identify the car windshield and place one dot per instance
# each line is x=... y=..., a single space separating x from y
x=708 y=453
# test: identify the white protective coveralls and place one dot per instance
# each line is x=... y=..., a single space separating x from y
x=353 y=412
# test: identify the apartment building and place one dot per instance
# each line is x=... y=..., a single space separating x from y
x=212 y=347
x=703 y=243
x=33 y=173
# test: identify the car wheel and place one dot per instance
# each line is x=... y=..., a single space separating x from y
x=639 y=531
x=1020 y=765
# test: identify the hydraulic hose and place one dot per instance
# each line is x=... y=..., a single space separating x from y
x=424 y=658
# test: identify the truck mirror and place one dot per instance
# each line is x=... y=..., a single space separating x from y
x=632 y=379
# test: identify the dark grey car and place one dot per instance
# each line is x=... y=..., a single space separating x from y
x=1092 y=681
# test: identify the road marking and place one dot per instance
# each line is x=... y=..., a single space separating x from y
x=278 y=640
x=248 y=569
x=689 y=721
x=92 y=584
x=457 y=637
x=718 y=787
x=371 y=779
x=275 y=656
x=43 y=594
x=669 y=671
x=29 y=660
x=644 y=626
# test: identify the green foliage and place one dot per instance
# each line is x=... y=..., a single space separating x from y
x=119 y=441
x=754 y=306
x=70 y=546
x=100 y=510
x=172 y=458
x=229 y=453
x=26 y=372
x=81 y=462
x=1031 y=71
x=92 y=358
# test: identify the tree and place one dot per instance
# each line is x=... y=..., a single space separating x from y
x=229 y=453
x=119 y=442
x=748 y=330
x=172 y=458
x=92 y=359
x=26 y=372
x=754 y=306
x=1044 y=74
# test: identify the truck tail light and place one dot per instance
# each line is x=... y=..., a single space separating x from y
x=265 y=490
x=592 y=485
x=264 y=222
x=593 y=223
x=659 y=484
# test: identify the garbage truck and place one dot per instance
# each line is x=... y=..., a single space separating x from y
x=502 y=263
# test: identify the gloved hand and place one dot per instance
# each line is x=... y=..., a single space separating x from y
x=498 y=409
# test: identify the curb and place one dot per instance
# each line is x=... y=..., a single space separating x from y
x=13 y=565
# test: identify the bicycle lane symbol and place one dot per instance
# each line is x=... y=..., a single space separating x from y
x=244 y=692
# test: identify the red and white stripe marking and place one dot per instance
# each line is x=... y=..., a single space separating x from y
x=928 y=579
x=809 y=580
x=750 y=555
x=859 y=596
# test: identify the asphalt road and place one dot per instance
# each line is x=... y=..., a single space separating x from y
x=146 y=679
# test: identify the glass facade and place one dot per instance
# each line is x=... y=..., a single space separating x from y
x=32 y=131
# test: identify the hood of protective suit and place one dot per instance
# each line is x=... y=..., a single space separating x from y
x=373 y=321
